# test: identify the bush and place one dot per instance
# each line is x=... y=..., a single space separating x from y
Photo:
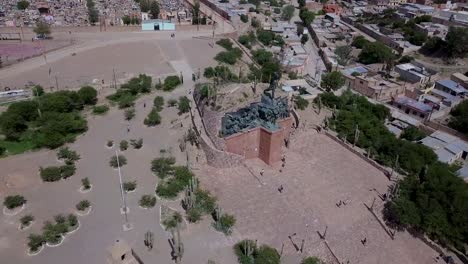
x=50 y=174
x=183 y=105
x=68 y=155
x=72 y=220
x=311 y=260
x=172 y=102
x=67 y=171
x=153 y=118
x=205 y=201
x=14 y=201
x=129 y=186
x=244 y=18
x=158 y=103
x=53 y=233
x=85 y=183
x=225 y=223
x=412 y=133
x=163 y=167
x=193 y=215
x=35 y=242
x=230 y=56
x=88 y=95
x=123 y=145
x=136 y=144
x=147 y=201
x=173 y=221
x=37 y=90
x=171 y=82
x=170 y=188
x=129 y=114
x=267 y=254
x=241 y=248
x=300 y=102
x=83 y=205
x=115 y=161
x=225 y=43
x=100 y=109
x=26 y=220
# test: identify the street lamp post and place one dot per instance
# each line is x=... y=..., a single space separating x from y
x=124 y=202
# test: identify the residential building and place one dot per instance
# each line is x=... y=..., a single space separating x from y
x=413 y=74
x=448 y=148
x=395 y=41
x=156 y=25
x=460 y=79
x=451 y=87
x=371 y=84
x=413 y=10
x=432 y=29
x=412 y=107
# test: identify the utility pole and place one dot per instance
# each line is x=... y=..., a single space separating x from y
x=56 y=83
x=124 y=202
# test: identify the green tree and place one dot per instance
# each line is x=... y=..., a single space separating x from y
x=412 y=133
x=375 y=52
x=359 y=42
x=311 y=260
x=287 y=12
x=37 y=90
x=332 y=81
x=306 y=16
x=457 y=42
x=22 y=4
x=88 y=95
x=459 y=117
x=343 y=54
x=154 y=9
x=244 y=18
x=300 y=102
x=153 y=118
x=145 y=5
x=126 y=20
x=42 y=29
x=183 y=105
x=196 y=13
x=267 y=255
x=304 y=39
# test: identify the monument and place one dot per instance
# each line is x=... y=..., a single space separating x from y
x=260 y=129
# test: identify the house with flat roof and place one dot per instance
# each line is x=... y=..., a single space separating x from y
x=448 y=148
x=412 y=107
x=371 y=84
x=451 y=87
x=460 y=78
x=413 y=74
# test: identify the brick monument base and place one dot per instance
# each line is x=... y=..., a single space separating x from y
x=260 y=142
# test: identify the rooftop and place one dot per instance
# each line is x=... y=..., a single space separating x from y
x=452 y=85
x=413 y=104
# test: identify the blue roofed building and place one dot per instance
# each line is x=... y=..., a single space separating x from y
x=448 y=148
x=412 y=107
x=451 y=87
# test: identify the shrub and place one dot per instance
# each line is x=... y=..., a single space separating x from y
x=115 y=161
x=183 y=105
x=129 y=114
x=173 y=221
x=300 y=102
x=171 y=82
x=267 y=254
x=229 y=56
x=83 y=205
x=205 y=201
x=126 y=101
x=35 y=242
x=60 y=219
x=147 y=201
x=171 y=187
x=85 y=183
x=110 y=143
x=163 y=166
x=72 y=220
x=244 y=18
x=26 y=220
x=67 y=171
x=311 y=260
x=225 y=223
x=50 y=174
x=193 y=215
x=100 y=109
x=53 y=233
x=136 y=144
x=158 y=103
x=241 y=248
x=123 y=145
x=171 y=102
x=412 y=133
x=88 y=95
x=68 y=155
x=225 y=43
x=153 y=118
x=129 y=186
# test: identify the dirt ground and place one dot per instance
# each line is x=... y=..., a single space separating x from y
x=318 y=174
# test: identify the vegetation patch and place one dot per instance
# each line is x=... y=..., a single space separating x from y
x=14 y=201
